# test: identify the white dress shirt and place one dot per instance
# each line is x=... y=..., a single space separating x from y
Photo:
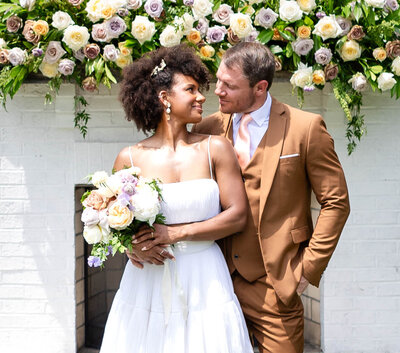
x=257 y=127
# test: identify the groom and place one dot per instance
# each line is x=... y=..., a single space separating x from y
x=284 y=154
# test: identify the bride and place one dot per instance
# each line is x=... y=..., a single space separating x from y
x=187 y=305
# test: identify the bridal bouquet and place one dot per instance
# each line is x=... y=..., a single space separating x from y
x=115 y=210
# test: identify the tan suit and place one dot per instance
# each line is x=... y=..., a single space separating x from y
x=295 y=156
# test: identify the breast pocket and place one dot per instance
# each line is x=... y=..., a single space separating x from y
x=288 y=164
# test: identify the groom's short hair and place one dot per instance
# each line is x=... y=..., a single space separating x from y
x=254 y=59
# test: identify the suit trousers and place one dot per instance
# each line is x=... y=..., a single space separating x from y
x=276 y=327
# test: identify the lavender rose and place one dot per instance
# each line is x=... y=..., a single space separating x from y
x=66 y=67
x=188 y=2
x=37 y=52
x=115 y=26
x=110 y=52
x=320 y=14
x=29 y=34
x=16 y=56
x=99 y=33
x=331 y=71
x=266 y=18
x=391 y=5
x=202 y=26
x=216 y=34
x=75 y=2
x=223 y=14
x=14 y=23
x=302 y=46
x=90 y=216
x=4 y=56
x=323 y=56
x=89 y=84
x=123 y=12
x=358 y=82
x=252 y=37
x=393 y=49
x=54 y=52
x=133 y=4
x=356 y=33
x=91 y=50
x=79 y=54
x=345 y=25
x=154 y=8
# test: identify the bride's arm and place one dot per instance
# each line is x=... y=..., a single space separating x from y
x=233 y=198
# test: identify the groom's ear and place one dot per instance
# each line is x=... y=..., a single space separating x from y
x=261 y=87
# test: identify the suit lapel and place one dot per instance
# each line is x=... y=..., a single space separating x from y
x=272 y=150
x=228 y=127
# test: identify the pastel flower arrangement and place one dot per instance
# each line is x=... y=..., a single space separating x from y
x=115 y=209
x=352 y=45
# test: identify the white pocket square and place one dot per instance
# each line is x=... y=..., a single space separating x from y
x=289 y=155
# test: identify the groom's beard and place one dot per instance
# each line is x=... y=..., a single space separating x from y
x=237 y=105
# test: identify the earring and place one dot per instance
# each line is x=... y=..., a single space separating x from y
x=168 y=110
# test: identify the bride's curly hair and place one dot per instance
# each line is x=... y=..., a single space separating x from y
x=141 y=84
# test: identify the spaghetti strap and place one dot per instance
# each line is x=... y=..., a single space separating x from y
x=130 y=156
x=209 y=157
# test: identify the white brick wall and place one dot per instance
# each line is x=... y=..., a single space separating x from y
x=42 y=157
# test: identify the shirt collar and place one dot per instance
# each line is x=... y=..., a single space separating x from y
x=260 y=116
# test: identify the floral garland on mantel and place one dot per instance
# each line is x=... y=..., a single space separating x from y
x=351 y=44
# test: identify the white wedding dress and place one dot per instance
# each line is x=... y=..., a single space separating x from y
x=187 y=305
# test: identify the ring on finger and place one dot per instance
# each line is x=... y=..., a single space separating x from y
x=162 y=251
x=152 y=235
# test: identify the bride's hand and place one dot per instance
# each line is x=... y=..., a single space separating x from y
x=157 y=255
x=148 y=238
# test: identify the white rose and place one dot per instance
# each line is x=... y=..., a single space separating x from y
x=93 y=9
x=358 y=82
x=241 y=25
x=119 y=216
x=386 y=81
x=61 y=20
x=396 y=66
x=202 y=8
x=90 y=216
x=327 y=27
x=376 y=3
x=133 y=170
x=133 y=4
x=290 y=11
x=76 y=37
x=92 y=234
x=27 y=4
x=99 y=178
x=117 y=4
x=302 y=77
x=3 y=43
x=146 y=203
x=185 y=23
x=112 y=186
x=350 y=50
x=170 y=36
x=16 y=56
x=307 y=5
x=143 y=29
x=252 y=2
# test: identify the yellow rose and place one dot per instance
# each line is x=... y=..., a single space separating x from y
x=304 y=32
x=194 y=36
x=220 y=53
x=350 y=50
x=119 y=217
x=107 y=12
x=123 y=61
x=379 y=54
x=41 y=27
x=123 y=49
x=207 y=51
x=318 y=77
x=49 y=70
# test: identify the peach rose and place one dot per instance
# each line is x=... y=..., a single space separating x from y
x=207 y=51
x=96 y=201
x=304 y=32
x=41 y=27
x=379 y=54
x=194 y=36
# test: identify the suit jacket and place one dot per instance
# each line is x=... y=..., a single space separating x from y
x=298 y=157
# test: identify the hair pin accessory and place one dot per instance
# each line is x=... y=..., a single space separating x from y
x=158 y=68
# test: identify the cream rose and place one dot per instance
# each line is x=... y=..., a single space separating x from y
x=185 y=23
x=386 y=81
x=379 y=54
x=61 y=20
x=143 y=29
x=207 y=51
x=170 y=36
x=99 y=178
x=123 y=60
x=93 y=9
x=76 y=37
x=396 y=66
x=302 y=77
x=290 y=11
x=307 y=5
x=145 y=202
x=92 y=234
x=241 y=25
x=375 y=3
x=202 y=8
x=327 y=27
x=350 y=50
x=119 y=216
x=49 y=70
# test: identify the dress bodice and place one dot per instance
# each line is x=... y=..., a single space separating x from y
x=190 y=201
